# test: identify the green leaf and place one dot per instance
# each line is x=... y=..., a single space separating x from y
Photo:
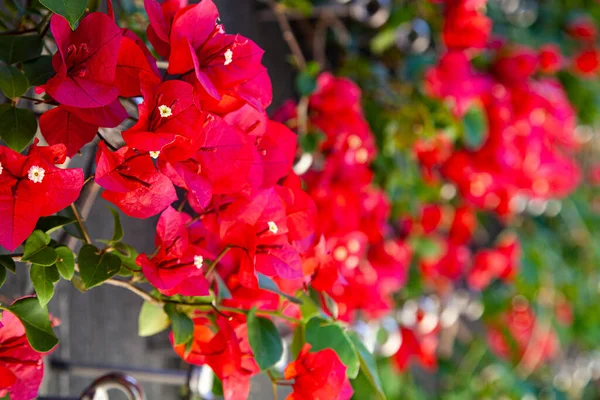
x=305 y=83
x=72 y=10
x=127 y=254
x=302 y=6
x=298 y=340
x=264 y=340
x=331 y=304
x=2 y=275
x=367 y=365
x=385 y=39
x=19 y=48
x=17 y=126
x=475 y=127
x=35 y=319
x=38 y=71
x=118 y=234
x=266 y=283
x=224 y=292
x=8 y=263
x=153 y=319
x=43 y=279
x=182 y=325
x=12 y=81
x=322 y=334
x=36 y=250
x=309 y=308
x=95 y=267
x=66 y=262
x=53 y=223
x=425 y=247
x=78 y=283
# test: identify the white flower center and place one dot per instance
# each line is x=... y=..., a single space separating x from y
x=340 y=253
x=354 y=142
x=362 y=155
x=198 y=261
x=165 y=111
x=36 y=174
x=154 y=154
x=273 y=227
x=228 y=57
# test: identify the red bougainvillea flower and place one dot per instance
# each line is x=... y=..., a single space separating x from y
x=177 y=267
x=318 y=375
x=551 y=60
x=161 y=18
x=21 y=367
x=432 y=153
x=465 y=24
x=218 y=64
x=523 y=328
x=221 y=162
x=75 y=127
x=86 y=61
x=132 y=182
x=226 y=350
x=454 y=81
x=169 y=121
x=416 y=348
x=447 y=264
x=500 y=262
x=136 y=66
x=32 y=187
x=515 y=65
x=587 y=63
x=258 y=226
x=582 y=28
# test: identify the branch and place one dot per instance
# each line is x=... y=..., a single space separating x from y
x=129 y=286
x=86 y=235
x=288 y=34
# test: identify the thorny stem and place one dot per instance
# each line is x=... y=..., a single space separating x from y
x=86 y=235
x=288 y=34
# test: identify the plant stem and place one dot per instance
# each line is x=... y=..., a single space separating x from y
x=273 y=384
x=200 y=306
x=146 y=296
x=212 y=265
x=86 y=235
x=288 y=34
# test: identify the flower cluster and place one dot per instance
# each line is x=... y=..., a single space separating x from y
x=357 y=260
x=527 y=153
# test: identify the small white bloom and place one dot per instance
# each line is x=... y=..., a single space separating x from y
x=228 y=57
x=362 y=155
x=154 y=154
x=36 y=174
x=198 y=261
x=340 y=253
x=273 y=227
x=354 y=142
x=165 y=111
